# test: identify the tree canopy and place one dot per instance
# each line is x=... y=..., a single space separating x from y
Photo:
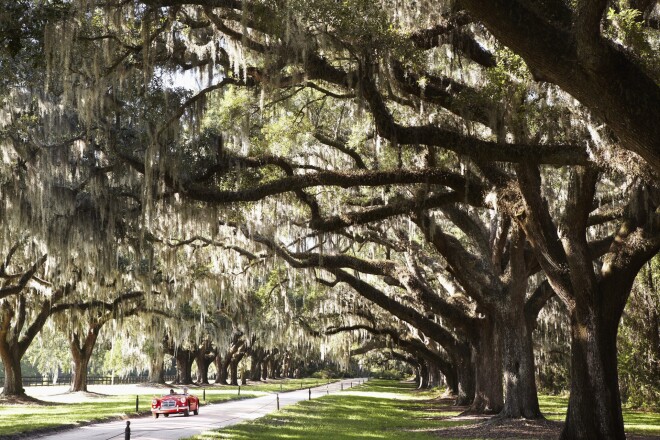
x=288 y=178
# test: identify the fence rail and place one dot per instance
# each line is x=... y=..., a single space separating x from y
x=91 y=380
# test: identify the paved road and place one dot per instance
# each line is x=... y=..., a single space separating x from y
x=210 y=417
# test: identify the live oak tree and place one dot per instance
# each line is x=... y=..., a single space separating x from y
x=595 y=296
x=92 y=316
x=324 y=63
x=22 y=316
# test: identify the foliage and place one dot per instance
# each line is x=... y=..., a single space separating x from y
x=50 y=353
x=639 y=341
x=552 y=349
x=626 y=27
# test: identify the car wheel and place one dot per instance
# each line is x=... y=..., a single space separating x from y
x=155 y=415
x=196 y=412
x=186 y=412
x=166 y=415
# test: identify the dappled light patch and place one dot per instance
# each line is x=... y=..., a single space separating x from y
x=502 y=429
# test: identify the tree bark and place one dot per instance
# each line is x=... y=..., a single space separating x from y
x=222 y=365
x=434 y=373
x=205 y=356
x=157 y=366
x=256 y=356
x=81 y=355
x=203 y=370
x=184 y=360
x=13 y=376
x=424 y=375
x=466 y=382
x=594 y=406
x=488 y=398
x=452 y=382
x=233 y=368
x=520 y=394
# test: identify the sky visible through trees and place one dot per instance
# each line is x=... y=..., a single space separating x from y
x=446 y=187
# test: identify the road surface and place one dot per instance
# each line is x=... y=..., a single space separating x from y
x=210 y=417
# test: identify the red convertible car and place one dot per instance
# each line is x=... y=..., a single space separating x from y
x=174 y=404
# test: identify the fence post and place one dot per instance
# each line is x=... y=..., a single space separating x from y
x=278 y=402
x=310 y=394
x=127 y=431
x=137 y=404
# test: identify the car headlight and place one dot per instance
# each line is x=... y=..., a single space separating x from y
x=154 y=402
x=183 y=400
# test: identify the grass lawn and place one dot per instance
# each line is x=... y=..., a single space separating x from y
x=379 y=409
x=636 y=422
x=23 y=418
x=385 y=410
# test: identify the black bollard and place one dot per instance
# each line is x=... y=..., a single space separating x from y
x=342 y=386
x=204 y=394
x=327 y=390
x=278 y=402
x=239 y=390
x=137 y=404
x=127 y=431
x=310 y=394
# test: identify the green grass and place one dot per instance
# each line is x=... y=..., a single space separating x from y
x=379 y=409
x=636 y=422
x=384 y=410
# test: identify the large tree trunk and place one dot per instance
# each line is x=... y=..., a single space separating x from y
x=203 y=359
x=255 y=372
x=466 y=382
x=520 y=394
x=594 y=406
x=434 y=376
x=286 y=365
x=423 y=375
x=203 y=370
x=184 y=360
x=255 y=361
x=452 y=382
x=264 y=366
x=157 y=367
x=15 y=340
x=79 y=376
x=81 y=354
x=222 y=365
x=13 y=377
x=487 y=358
x=233 y=368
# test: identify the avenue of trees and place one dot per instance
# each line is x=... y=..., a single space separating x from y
x=465 y=187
